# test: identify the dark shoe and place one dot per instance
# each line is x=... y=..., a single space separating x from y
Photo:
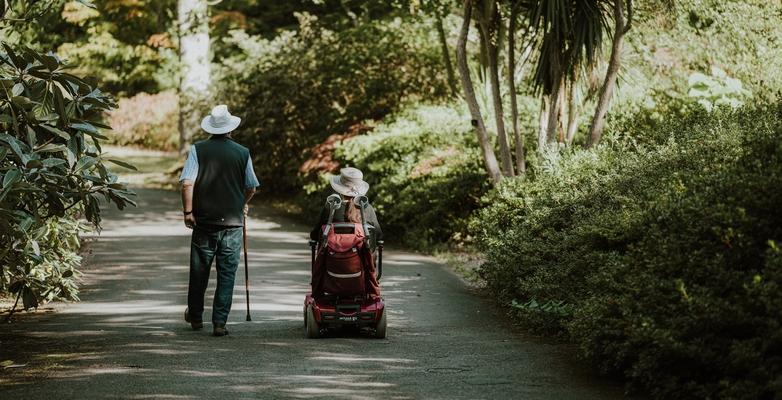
x=196 y=325
x=220 y=330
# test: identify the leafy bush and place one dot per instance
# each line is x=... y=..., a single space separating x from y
x=52 y=172
x=128 y=46
x=146 y=120
x=666 y=258
x=717 y=89
x=299 y=88
x=425 y=173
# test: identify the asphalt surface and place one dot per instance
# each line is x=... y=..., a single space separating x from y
x=126 y=339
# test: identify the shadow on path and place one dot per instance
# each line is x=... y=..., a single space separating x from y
x=127 y=340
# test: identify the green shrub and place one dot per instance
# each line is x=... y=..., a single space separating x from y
x=425 y=173
x=52 y=172
x=663 y=259
x=146 y=120
x=299 y=88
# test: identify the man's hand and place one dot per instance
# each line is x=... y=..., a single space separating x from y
x=190 y=221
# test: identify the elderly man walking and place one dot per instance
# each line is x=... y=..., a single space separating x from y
x=218 y=182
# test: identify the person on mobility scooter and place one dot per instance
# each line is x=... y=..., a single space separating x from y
x=347 y=247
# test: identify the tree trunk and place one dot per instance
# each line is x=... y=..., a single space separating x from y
x=621 y=26
x=554 y=112
x=483 y=57
x=572 y=114
x=193 y=20
x=489 y=159
x=543 y=123
x=521 y=163
x=560 y=125
x=446 y=53
x=489 y=27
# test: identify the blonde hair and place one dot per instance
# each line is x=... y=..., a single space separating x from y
x=352 y=213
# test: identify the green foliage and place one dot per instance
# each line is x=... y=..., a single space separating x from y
x=128 y=46
x=299 y=88
x=52 y=171
x=425 y=173
x=665 y=257
x=146 y=120
x=716 y=90
x=671 y=43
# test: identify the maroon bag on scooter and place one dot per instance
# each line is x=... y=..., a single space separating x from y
x=345 y=266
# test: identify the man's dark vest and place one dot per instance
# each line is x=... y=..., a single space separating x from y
x=218 y=196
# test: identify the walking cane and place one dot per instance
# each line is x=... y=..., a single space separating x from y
x=246 y=269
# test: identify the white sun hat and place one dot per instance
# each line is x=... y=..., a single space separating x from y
x=220 y=121
x=350 y=182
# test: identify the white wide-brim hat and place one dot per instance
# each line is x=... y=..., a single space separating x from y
x=350 y=182
x=220 y=121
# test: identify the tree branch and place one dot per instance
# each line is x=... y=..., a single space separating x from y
x=629 y=21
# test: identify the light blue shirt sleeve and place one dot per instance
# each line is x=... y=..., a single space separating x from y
x=190 y=170
x=250 y=180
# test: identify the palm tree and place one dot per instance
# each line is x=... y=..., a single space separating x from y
x=571 y=35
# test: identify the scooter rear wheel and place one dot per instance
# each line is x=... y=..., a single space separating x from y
x=380 y=329
x=311 y=325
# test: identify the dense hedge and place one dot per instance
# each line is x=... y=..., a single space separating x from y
x=662 y=262
x=296 y=90
x=425 y=174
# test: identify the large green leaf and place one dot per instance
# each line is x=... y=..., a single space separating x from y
x=72 y=152
x=16 y=146
x=122 y=163
x=84 y=127
x=52 y=148
x=47 y=117
x=57 y=131
x=17 y=61
x=59 y=105
x=31 y=137
x=17 y=89
x=11 y=177
x=32 y=164
x=89 y=129
x=49 y=61
x=53 y=162
x=84 y=163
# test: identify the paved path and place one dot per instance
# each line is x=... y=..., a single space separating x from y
x=126 y=339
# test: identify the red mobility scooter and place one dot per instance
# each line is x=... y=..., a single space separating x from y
x=345 y=283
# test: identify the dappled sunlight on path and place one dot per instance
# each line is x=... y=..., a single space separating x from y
x=127 y=340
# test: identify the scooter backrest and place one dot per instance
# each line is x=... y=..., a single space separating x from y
x=344 y=236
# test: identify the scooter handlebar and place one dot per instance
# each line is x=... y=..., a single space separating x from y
x=334 y=201
x=361 y=201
